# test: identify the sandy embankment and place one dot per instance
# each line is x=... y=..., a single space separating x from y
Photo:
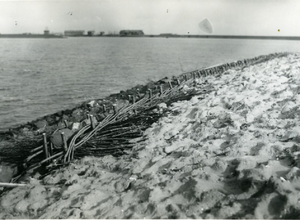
x=233 y=153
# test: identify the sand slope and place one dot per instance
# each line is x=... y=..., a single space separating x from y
x=231 y=153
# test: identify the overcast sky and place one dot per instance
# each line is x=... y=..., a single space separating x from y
x=230 y=17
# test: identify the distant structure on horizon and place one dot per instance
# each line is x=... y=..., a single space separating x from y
x=74 y=33
x=90 y=33
x=46 y=34
x=131 y=33
x=168 y=35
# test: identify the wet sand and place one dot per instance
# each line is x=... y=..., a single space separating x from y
x=231 y=153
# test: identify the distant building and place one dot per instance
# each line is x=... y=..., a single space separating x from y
x=168 y=35
x=46 y=32
x=132 y=33
x=91 y=33
x=74 y=33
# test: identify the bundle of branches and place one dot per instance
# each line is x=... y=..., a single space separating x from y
x=113 y=134
x=124 y=134
x=118 y=136
x=118 y=132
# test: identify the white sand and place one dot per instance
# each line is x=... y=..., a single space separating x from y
x=232 y=153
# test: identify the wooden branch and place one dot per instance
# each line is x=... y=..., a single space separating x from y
x=11 y=185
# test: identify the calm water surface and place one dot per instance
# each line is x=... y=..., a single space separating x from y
x=42 y=76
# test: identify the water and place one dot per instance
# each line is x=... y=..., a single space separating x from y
x=42 y=76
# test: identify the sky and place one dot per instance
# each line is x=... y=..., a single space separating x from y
x=228 y=17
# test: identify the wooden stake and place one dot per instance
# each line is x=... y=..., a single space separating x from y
x=66 y=123
x=170 y=85
x=150 y=93
x=51 y=149
x=178 y=81
x=92 y=121
x=133 y=98
x=64 y=141
x=185 y=77
x=129 y=98
x=160 y=89
x=114 y=107
x=45 y=145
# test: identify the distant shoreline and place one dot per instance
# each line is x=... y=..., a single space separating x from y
x=158 y=36
x=208 y=36
x=31 y=36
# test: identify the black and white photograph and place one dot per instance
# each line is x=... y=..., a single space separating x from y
x=149 y=109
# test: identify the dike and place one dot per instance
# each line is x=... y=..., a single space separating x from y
x=37 y=143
